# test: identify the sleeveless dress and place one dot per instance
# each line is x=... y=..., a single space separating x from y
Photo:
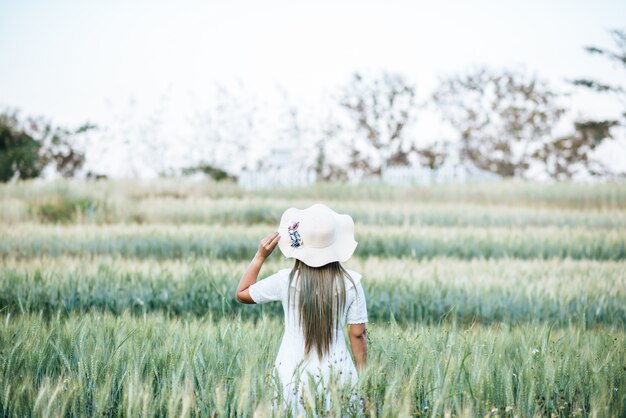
x=294 y=369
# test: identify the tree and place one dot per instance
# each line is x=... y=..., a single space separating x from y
x=502 y=118
x=433 y=155
x=604 y=128
x=381 y=109
x=19 y=151
x=58 y=149
x=619 y=57
x=567 y=155
x=28 y=148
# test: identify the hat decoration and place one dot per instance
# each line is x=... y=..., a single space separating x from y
x=294 y=235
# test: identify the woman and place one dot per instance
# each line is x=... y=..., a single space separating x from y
x=319 y=298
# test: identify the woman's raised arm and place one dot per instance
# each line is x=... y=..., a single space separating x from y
x=266 y=247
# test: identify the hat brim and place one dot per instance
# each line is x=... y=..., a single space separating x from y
x=340 y=250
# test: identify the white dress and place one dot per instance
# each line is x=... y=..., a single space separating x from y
x=292 y=366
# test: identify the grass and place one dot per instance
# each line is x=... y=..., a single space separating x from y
x=510 y=192
x=123 y=365
x=257 y=210
x=557 y=291
x=499 y=299
x=238 y=242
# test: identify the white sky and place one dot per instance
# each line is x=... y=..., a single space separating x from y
x=74 y=61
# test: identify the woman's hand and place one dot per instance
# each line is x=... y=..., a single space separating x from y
x=268 y=244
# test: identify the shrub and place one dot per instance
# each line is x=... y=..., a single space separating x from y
x=60 y=209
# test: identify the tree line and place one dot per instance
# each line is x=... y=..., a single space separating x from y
x=504 y=122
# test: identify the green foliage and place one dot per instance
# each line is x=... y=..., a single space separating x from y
x=19 y=152
x=578 y=292
x=212 y=172
x=26 y=148
x=503 y=195
x=58 y=149
x=501 y=299
x=61 y=209
x=237 y=243
x=106 y=365
x=257 y=211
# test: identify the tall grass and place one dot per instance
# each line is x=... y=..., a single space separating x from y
x=104 y=365
x=562 y=292
x=501 y=299
x=507 y=192
x=256 y=210
x=240 y=242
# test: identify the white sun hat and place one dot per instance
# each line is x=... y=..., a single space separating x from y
x=316 y=235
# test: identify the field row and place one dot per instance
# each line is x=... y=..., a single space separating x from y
x=251 y=210
x=104 y=365
x=240 y=242
x=507 y=192
x=560 y=292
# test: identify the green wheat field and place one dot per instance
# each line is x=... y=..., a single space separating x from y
x=498 y=299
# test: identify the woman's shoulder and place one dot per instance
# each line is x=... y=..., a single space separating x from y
x=354 y=275
x=283 y=272
x=279 y=275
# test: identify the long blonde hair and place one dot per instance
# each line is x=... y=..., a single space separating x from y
x=321 y=301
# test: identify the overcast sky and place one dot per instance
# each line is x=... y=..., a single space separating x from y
x=74 y=61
